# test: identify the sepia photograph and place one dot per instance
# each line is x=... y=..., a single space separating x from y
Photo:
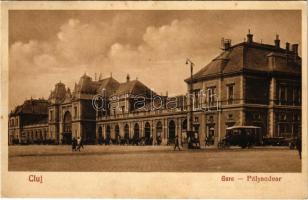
x=142 y=91
x=123 y=91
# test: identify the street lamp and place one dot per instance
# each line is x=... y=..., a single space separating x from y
x=191 y=132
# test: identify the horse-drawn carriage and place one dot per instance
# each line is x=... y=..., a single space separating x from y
x=243 y=136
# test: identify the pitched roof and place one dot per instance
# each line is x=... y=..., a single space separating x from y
x=87 y=86
x=253 y=56
x=108 y=86
x=134 y=87
x=32 y=106
x=58 y=95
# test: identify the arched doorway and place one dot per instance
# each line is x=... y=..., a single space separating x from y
x=126 y=133
x=136 y=134
x=184 y=130
x=67 y=128
x=171 y=135
x=108 y=134
x=117 y=134
x=159 y=130
x=100 y=135
x=147 y=134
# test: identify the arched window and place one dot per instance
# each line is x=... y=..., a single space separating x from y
x=117 y=130
x=136 y=131
x=171 y=128
x=147 y=133
x=100 y=132
x=108 y=134
x=159 y=129
x=126 y=131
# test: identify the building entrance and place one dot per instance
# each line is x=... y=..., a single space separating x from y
x=67 y=128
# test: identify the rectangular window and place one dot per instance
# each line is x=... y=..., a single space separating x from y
x=123 y=109
x=296 y=96
x=299 y=96
x=230 y=93
x=212 y=98
x=283 y=95
x=196 y=98
x=75 y=112
x=50 y=115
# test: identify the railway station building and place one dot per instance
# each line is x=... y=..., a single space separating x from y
x=248 y=83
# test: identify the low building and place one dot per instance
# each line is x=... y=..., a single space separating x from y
x=28 y=122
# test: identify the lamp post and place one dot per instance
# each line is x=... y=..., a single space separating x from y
x=191 y=113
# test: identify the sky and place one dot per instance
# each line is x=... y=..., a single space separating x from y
x=46 y=47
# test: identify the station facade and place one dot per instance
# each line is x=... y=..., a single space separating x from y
x=248 y=83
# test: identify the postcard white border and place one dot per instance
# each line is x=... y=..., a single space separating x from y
x=147 y=185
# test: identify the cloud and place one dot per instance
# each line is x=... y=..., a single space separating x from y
x=124 y=43
x=82 y=43
x=162 y=55
x=93 y=47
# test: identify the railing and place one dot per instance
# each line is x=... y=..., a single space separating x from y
x=142 y=114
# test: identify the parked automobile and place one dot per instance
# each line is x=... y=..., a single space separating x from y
x=243 y=136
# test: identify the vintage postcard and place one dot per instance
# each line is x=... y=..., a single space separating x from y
x=154 y=99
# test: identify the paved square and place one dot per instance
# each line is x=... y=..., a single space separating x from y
x=151 y=159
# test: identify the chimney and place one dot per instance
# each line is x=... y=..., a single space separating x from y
x=295 y=49
x=287 y=46
x=249 y=37
x=277 y=42
x=127 y=78
x=225 y=44
x=100 y=76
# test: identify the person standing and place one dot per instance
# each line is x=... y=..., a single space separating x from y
x=299 y=146
x=177 y=143
x=79 y=143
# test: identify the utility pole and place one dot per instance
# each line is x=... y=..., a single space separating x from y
x=191 y=112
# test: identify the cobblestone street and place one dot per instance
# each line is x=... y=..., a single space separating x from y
x=151 y=159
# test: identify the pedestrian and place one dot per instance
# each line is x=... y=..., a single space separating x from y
x=299 y=146
x=79 y=143
x=176 y=143
x=74 y=144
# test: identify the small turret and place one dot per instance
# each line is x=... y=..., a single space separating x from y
x=249 y=37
